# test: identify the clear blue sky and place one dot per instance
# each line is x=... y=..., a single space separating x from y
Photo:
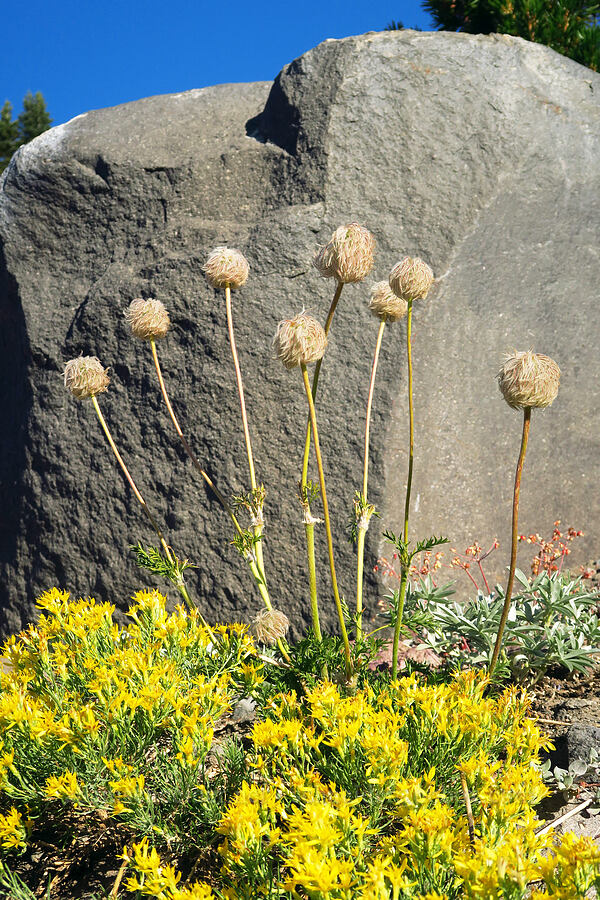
x=84 y=55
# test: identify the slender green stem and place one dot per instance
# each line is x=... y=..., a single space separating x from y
x=334 y=583
x=411 y=419
x=515 y=540
x=411 y=426
x=309 y=529
x=258 y=525
x=363 y=522
x=397 y=629
x=309 y=522
x=315 y=383
x=180 y=585
x=258 y=575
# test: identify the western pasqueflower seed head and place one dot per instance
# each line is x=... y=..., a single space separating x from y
x=225 y=267
x=348 y=256
x=529 y=379
x=85 y=377
x=300 y=340
x=411 y=279
x=269 y=626
x=385 y=303
x=148 y=319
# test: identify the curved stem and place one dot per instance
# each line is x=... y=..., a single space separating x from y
x=410 y=418
x=336 y=594
x=515 y=540
x=363 y=523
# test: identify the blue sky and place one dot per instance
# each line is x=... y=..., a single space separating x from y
x=83 y=55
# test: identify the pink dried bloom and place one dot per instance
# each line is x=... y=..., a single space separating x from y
x=411 y=279
x=386 y=304
x=349 y=254
x=148 y=319
x=300 y=340
x=85 y=377
x=529 y=379
x=270 y=626
x=225 y=267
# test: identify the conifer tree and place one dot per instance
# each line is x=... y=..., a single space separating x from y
x=571 y=27
x=9 y=132
x=34 y=119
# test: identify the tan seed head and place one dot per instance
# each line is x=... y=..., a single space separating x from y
x=529 y=379
x=300 y=340
x=85 y=377
x=348 y=256
x=386 y=304
x=411 y=279
x=148 y=319
x=269 y=626
x=225 y=267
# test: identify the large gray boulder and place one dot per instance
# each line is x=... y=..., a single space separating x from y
x=479 y=154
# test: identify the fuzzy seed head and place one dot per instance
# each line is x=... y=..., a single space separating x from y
x=386 y=304
x=85 y=377
x=225 y=267
x=529 y=379
x=410 y=279
x=300 y=340
x=148 y=319
x=348 y=256
x=269 y=626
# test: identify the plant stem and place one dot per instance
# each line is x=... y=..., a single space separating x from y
x=187 y=447
x=515 y=538
x=309 y=528
x=180 y=585
x=336 y=594
x=309 y=522
x=411 y=419
x=258 y=525
x=411 y=426
x=257 y=574
x=395 y=646
x=363 y=522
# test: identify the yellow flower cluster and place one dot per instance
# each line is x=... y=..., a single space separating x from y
x=14 y=829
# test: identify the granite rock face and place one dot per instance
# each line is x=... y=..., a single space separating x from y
x=479 y=154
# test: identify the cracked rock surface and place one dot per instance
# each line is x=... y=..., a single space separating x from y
x=477 y=153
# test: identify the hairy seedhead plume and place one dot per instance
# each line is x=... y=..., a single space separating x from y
x=348 y=256
x=148 y=319
x=270 y=626
x=226 y=268
x=85 y=377
x=384 y=303
x=410 y=279
x=529 y=379
x=299 y=340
